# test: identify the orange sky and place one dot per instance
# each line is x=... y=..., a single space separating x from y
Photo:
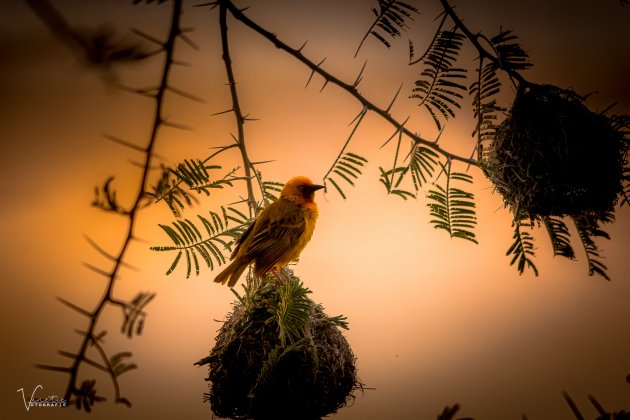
x=433 y=321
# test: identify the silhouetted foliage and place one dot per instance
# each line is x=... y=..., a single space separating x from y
x=535 y=156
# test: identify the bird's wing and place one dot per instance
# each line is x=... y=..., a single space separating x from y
x=240 y=240
x=275 y=234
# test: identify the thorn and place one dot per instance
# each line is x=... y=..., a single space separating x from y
x=181 y=63
x=322 y=89
x=67 y=354
x=188 y=41
x=597 y=406
x=97 y=270
x=359 y=76
x=574 y=408
x=246 y=118
x=439 y=135
x=147 y=37
x=141 y=240
x=74 y=307
x=98 y=248
x=53 y=368
x=399 y=128
x=394 y=100
x=362 y=112
x=262 y=162
x=141 y=166
x=212 y=3
x=302 y=47
x=222 y=112
x=123 y=142
x=313 y=73
x=147 y=92
x=176 y=125
x=185 y=95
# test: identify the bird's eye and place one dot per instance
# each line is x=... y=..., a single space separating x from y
x=301 y=187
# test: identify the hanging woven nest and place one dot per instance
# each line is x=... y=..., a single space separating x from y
x=279 y=356
x=552 y=156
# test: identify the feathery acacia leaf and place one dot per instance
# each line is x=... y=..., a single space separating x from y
x=453 y=209
x=485 y=107
x=386 y=179
x=391 y=19
x=511 y=55
x=439 y=88
x=588 y=229
x=134 y=314
x=105 y=198
x=191 y=175
x=292 y=311
x=210 y=243
x=271 y=190
x=420 y=168
x=347 y=168
x=522 y=249
x=560 y=237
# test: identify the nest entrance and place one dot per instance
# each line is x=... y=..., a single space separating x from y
x=279 y=356
x=552 y=156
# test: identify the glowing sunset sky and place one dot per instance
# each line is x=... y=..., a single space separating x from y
x=433 y=321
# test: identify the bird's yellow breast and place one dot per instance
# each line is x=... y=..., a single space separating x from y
x=309 y=213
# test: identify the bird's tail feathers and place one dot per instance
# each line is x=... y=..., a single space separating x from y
x=231 y=273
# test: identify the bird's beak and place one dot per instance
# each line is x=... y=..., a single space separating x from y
x=316 y=187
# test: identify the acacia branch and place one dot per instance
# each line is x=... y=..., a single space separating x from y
x=349 y=88
x=236 y=109
x=158 y=121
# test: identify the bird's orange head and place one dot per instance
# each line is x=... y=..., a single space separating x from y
x=300 y=189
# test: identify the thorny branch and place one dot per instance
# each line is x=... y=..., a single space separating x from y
x=350 y=88
x=89 y=336
x=236 y=109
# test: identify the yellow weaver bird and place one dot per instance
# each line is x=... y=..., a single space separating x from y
x=279 y=233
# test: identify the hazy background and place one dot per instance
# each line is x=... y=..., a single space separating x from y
x=433 y=321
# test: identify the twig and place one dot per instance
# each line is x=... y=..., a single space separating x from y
x=236 y=109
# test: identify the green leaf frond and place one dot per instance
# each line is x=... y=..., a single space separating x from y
x=588 y=229
x=386 y=179
x=275 y=356
x=391 y=20
x=190 y=176
x=452 y=208
x=439 y=88
x=271 y=191
x=347 y=168
x=420 y=167
x=210 y=242
x=560 y=237
x=292 y=311
x=522 y=249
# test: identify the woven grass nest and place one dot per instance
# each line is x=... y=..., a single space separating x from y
x=552 y=156
x=279 y=356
